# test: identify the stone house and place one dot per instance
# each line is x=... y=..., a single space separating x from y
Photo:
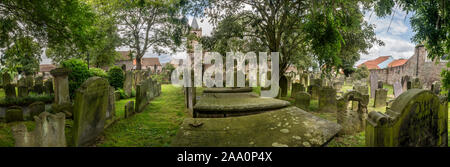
x=151 y=63
x=419 y=65
x=125 y=59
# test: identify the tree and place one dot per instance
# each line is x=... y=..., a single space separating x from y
x=49 y=22
x=23 y=56
x=150 y=24
x=298 y=29
x=361 y=73
x=102 y=35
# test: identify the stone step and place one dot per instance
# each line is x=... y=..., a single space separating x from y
x=288 y=126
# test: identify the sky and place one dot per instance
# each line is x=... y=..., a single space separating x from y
x=397 y=37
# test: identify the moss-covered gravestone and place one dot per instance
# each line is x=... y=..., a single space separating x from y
x=48 y=132
x=417 y=118
x=436 y=87
x=313 y=90
x=13 y=114
x=91 y=103
x=416 y=84
x=61 y=87
x=352 y=120
x=128 y=83
x=22 y=91
x=327 y=99
x=111 y=111
x=302 y=100
x=10 y=91
x=6 y=78
x=380 y=97
x=143 y=94
x=297 y=87
x=36 y=108
x=129 y=109
x=283 y=86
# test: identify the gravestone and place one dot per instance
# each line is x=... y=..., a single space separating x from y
x=129 y=109
x=398 y=89
x=14 y=114
x=417 y=118
x=36 y=109
x=297 y=87
x=111 y=110
x=61 y=87
x=117 y=95
x=408 y=85
x=404 y=82
x=128 y=83
x=436 y=87
x=22 y=91
x=6 y=79
x=49 y=86
x=302 y=100
x=284 y=86
x=10 y=91
x=416 y=84
x=90 y=106
x=48 y=132
x=327 y=99
x=380 y=98
x=353 y=120
x=29 y=80
x=338 y=85
x=373 y=84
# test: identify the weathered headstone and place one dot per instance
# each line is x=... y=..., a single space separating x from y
x=61 y=87
x=36 y=109
x=398 y=89
x=22 y=91
x=404 y=82
x=10 y=91
x=49 y=132
x=436 y=87
x=6 y=79
x=129 y=109
x=302 y=100
x=128 y=83
x=327 y=99
x=416 y=84
x=117 y=95
x=338 y=85
x=297 y=87
x=352 y=121
x=91 y=104
x=283 y=86
x=373 y=84
x=380 y=97
x=13 y=114
x=417 y=118
x=111 y=110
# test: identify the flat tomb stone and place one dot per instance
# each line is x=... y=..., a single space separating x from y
x=288 y=127
x=227 y=90
x=235 y=103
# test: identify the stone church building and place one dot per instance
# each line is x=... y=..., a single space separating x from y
x=419 y=65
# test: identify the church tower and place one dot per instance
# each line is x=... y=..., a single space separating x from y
x=197 y=31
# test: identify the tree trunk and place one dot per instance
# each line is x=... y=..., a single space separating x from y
x=138 y=63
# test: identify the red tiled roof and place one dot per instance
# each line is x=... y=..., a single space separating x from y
x=124 y=55
x=46 y=67
x=398 y=62
x=373 y=64
x=151 y=61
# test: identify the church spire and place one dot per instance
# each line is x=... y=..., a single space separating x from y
x=194 y=24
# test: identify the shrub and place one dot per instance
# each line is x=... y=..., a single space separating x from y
x=133 y=92
x=97 y=72
x=79 y=73
x=25 y=101
x=122 y=93
x=116 y=77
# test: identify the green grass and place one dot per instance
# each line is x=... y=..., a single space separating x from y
x=156 y=126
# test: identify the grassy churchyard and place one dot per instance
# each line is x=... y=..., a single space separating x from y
x=158 y=124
